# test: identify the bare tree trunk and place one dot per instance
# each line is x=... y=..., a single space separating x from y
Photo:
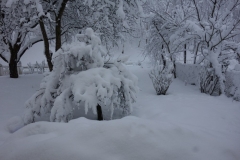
x=164 y=61
x=123 y=48
x=58 y=35
x=185 y=53
x=58 y=30
x=46 y=45
x=174 y=69
x=195 y=54
x=174 y=66
x=99 y=112
x=14 y=49
x=13 y=65
x=238 y=57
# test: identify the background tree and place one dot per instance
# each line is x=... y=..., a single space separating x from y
x=212 y=25
x=19 y=30
x=112 y=19
x=216 y=26
x=168 y=34
x=109 y=18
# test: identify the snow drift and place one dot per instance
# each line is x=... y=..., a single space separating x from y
x=129 y=138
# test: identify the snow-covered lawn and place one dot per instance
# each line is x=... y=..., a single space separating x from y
x=183 y=125
x=13 y=94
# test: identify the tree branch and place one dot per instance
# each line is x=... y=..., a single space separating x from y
x=3 y=58
x=32 y=42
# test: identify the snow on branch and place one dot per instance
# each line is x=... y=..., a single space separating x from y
x=31 y=43
x=80 y=79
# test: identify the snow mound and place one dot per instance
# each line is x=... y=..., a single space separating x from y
x=129 y=138
x=14 y=124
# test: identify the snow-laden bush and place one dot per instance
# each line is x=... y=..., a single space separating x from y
x=209 y=81
x=232 y=84
x=161 y=77
x=80 y=78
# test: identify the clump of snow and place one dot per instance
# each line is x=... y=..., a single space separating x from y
x=120 y=11
x=89 y=2
x=10 y=2
x=35 y=3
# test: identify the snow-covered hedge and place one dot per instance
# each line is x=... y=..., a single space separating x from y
x=189 y=73
x=82 y=80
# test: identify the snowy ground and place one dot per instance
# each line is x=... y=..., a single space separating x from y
x=13 y=94
x=183 y=125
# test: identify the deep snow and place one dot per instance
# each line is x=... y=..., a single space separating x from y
x=183 y=125
x=13 y=94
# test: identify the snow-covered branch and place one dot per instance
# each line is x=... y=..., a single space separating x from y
x=31 y=43
x=80 y=79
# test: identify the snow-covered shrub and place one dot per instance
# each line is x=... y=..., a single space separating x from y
x=236 y=96
x=209 y=81
x=161 y=77
x=80 y=78
x=200 y=75
x=232 y=84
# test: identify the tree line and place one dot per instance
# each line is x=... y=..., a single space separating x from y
x=209 y=28
x=25 y=23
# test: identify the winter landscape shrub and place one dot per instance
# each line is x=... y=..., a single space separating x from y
x=209 y=81
x=198 y=74
x=232 y=85
x=161 y=77
x=82 y=79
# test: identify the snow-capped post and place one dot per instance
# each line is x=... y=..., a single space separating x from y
x=81 y=79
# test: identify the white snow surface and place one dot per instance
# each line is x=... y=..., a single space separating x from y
x=182 y=125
